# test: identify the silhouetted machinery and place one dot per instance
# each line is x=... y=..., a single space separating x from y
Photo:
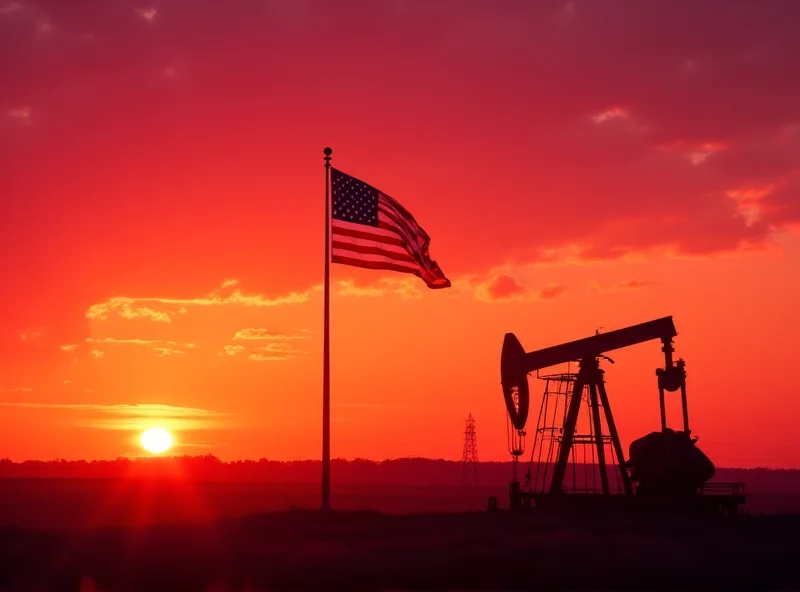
x=576 y=435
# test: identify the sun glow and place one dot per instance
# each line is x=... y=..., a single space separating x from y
x=156 y=440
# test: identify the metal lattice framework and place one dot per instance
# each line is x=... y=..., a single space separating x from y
x=469 y=474
x=584 y=468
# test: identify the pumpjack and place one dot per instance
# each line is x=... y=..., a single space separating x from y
x=664 y=468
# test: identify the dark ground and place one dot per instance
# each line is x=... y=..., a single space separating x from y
x=371 y=551
x=78 y=503
x=145 y=536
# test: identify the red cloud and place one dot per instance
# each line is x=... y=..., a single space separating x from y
x=550 y=291
x=634 y=284
x=501 y=287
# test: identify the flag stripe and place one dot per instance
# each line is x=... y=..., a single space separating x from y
x=380 y=263
x=369 y=248
x=385 y=208
x=351 y=254
x=384 y=237
x=402 y=228
x=373 y=253
x=372 y=230
x=383 y=233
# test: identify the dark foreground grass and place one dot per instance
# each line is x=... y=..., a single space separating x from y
x=305 y=550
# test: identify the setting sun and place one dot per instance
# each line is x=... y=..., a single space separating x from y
x=156 y=440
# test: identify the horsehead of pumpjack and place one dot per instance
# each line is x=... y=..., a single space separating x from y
x=514 y=379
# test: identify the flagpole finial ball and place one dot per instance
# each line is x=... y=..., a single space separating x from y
x=327 y=151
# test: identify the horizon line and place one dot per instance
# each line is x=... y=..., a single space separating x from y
x=185 y=457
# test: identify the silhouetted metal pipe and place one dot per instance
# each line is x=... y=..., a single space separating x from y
x=595 y=345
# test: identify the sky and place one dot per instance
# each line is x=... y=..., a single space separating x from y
x=579 y=166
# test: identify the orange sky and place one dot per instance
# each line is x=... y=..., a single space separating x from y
x=576 y=164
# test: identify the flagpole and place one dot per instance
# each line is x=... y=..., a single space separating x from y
x=326 y=352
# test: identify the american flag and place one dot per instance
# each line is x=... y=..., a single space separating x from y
x=372 y=230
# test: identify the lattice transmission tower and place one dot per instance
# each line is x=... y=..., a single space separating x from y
x=469 y=474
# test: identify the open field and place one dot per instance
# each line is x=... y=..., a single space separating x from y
x=304 y=550
x=80 y=503
x=183 y=535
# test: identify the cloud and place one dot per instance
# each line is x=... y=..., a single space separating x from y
x=128 y=308
x=349 y=288
x=620 y=119
x=633 y=284
x=751 y=200
x=20 y=114
x=613 y=113
x=501 y=287
x=135 y=417
x=369 y=405
x=550 y=291
x=252 y=334
x=70 y=347
x=33 y=334
x=696 y=152
x=776 y=204
x=148 y=14
x=168 y=351
x=10 y=8
x=702 y=153
x=144 y=312
x=136 y=410
x=727 y=117
x=165 y=309
x=262 y=357
x=405 y=287
x=232 y=350
x=274 y=352
x=114 y=340
x=162 y=347
x=464 y=284
x=278 y=349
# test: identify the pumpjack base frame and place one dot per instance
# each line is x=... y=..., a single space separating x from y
x=714 y=498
